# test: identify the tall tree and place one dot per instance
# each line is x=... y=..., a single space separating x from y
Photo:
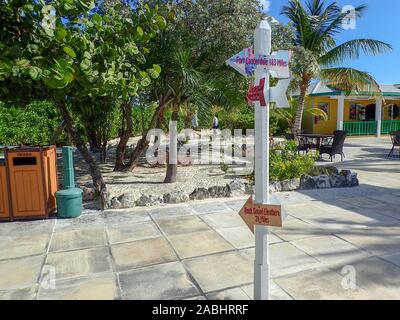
x=317 y=54
x=64 y=51
x=200 y=36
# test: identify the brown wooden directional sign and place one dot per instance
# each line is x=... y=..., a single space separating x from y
x=264 y=214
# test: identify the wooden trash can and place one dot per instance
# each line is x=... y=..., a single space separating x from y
x=5 y=212
x=32 y=181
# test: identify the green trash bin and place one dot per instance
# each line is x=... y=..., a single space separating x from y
x=69 y=200
x=69 y=203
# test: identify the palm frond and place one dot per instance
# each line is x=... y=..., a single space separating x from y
x=318 y=113
x=353 y=49
x=350 y=80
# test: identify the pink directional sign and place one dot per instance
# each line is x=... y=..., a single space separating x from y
x=245 y=62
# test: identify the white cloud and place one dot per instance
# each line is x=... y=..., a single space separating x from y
x=265 y=4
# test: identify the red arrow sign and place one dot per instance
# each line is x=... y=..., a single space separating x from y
x=256 y=93
x=266 y=214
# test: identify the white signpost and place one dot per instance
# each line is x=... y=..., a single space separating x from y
x=264 y=64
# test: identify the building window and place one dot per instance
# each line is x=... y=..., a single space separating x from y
x=357 y=112
x=326 y=108
x=393 y=111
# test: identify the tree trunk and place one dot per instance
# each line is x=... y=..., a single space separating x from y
x=172 y=166
x=103 y=152
x=143 y=143
x=95 y=172
x=94 y=140
x=300 y=108
x=124 y=135
x=143 y=120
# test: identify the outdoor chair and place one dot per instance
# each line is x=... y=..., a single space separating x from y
x=335 y=146
x=302 y=144
x=395 y=136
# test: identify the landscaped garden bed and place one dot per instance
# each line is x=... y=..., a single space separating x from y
x=289 y=171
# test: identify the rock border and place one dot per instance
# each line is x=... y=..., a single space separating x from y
x=235 y=188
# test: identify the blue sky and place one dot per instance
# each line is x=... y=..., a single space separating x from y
x=381 y=22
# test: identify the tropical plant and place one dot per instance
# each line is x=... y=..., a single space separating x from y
x=62 y=51
x=288 y=116
x=200 y=36
x=286 y=163
x=317 y=54
x=33 y=124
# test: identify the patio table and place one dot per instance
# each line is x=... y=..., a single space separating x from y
x=318 y=138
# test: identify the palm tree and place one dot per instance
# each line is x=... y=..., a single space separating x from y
x=191 y=85
x=316 y=53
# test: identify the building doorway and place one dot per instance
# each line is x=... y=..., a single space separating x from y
x=370 y=112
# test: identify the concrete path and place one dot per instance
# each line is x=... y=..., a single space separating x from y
x=335 y=244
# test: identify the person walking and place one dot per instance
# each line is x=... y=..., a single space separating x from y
x=215 y=124
x=195 y=121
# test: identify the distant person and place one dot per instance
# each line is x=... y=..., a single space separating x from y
x=215 y=124
x=195 y=121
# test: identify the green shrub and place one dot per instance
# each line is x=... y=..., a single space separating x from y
x=285 y=163
x=33 y=124
x=243 y=118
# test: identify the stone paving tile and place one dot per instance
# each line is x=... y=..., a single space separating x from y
x=170 y=211
x=229 y=270
x=223 y=220
x=319 y=284
x=304 y=210
x=28 y=293
x=77 y=239
x=230 y=294
x=286 y=258
x=379 y=277
x=393 y=258
x=239 y=237
x=132 y=232
x=123 y=217
x=197 y=298
x=343 y=221
x=15 y=246
x=275 y=291
x=26 y=227
x=363 y=202
x=378 y=241
x=236 y=204
x=182 y=225
x=80 y=262
x=99 y=287
x=199 y=244
x=208 y=207
x=163 y=281
x=85 y=221
x=20 y=273
x=142 y=253
x=295 y=229
x=385 y=199
x=330 y=249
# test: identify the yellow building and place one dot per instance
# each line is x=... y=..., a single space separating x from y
x=357 y=114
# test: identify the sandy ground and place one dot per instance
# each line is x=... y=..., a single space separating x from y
x=145 y=179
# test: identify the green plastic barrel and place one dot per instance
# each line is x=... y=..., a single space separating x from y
x=69 y=203
x=69 y=200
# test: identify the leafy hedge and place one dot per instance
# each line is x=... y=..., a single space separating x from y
x=285 y=163
x=33 y=124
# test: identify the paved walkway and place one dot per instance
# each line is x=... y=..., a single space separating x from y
x=203 y=250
